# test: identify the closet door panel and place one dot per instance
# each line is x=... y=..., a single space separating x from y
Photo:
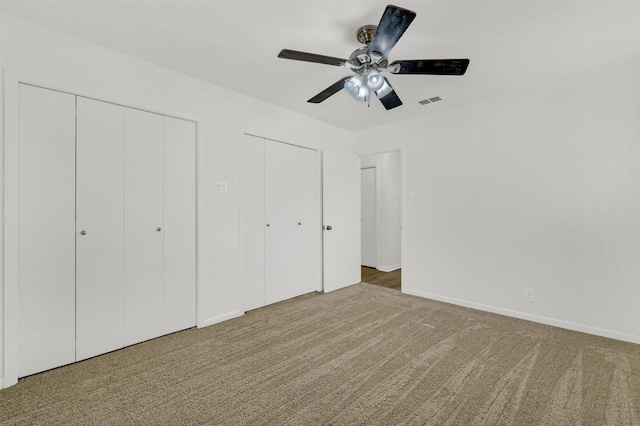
x=307 y=264
x=143 y=226
x=281 y=216
x=100 y=217
x=179 y=224
x=46 y=268
x=254 y=225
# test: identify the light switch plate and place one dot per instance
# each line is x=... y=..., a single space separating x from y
x=222 y=187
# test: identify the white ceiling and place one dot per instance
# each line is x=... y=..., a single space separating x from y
x=512 y=45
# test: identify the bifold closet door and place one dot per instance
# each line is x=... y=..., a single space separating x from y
x=46 y=230
x=253 y=223
x=99 y=228
x=179 y=230
x=291 y=235
x=143 y=226
x=106 y=230
x=307 y=228
x=281 y=205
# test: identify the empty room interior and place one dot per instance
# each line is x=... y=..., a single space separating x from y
x=191 y=202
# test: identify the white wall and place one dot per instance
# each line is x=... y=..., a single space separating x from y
x=388 y=195
x=1 y=209
x=537 y=189
x=35 y=55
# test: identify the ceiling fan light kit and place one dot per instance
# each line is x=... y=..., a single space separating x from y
x=374 y=80
x=370 y=61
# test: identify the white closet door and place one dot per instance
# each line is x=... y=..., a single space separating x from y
x=253 y=222
x=179 y=224
x=281 y=216
x=307 y=263
x=143 y=226
x=46 y=269
x=100 y=228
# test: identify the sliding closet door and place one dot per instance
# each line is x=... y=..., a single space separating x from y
x=143 y=226
x=46 y=230
x=179 y=224
x=100 y=228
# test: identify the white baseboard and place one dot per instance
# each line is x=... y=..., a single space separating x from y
x=389 y=268
x=4 y=383
x=529 y=317
x=220 y=318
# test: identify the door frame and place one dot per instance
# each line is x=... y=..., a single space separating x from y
x=9 y=157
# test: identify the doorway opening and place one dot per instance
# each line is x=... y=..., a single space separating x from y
x=381 y=229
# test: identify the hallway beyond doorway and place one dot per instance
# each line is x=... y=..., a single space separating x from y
x=383 y=279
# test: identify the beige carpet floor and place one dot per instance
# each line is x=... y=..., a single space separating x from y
x=364 y=355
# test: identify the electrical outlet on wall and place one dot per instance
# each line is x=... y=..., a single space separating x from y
x=528 y=295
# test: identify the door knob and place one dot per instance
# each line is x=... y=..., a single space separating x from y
x=268 y=224
x=329 y=228
x=83 y=232
x=158 y=229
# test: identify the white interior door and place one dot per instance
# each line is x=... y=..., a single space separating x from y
x=368 y=221
x=46 y=269
x=143 y=223
x=99 y=228
x=341 y=219
x=179 y=230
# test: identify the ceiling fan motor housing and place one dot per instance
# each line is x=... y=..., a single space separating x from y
x=365 y=34
x=361 y=58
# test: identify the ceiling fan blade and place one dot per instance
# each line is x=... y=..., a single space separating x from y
x=395 y=20
x=311 y=57
x=329 y=91
x=432 y=66
x=388 y=96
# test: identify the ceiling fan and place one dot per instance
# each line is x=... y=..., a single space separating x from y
x=369 y=61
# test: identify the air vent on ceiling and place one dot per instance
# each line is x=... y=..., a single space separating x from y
x=430 y=100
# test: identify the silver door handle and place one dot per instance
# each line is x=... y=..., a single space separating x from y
x=158 y=229
x=83 y=232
